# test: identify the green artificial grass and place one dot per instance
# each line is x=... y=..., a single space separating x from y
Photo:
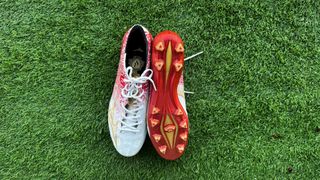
x=255 y=112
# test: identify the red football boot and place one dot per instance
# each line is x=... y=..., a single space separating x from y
x=167 y=116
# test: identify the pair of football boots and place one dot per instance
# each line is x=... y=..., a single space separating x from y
x=148 y=95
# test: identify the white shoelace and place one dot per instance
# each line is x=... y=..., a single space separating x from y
x=188 y=58
x=133 y=90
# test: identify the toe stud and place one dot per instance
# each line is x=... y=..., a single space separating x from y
x=183 y=124
x=184 y=136
x=178 y=112
x=163 y=149
x=154 y=122
x=156 y=137
x=180 y=148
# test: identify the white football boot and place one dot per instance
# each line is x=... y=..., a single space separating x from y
x=128 y=104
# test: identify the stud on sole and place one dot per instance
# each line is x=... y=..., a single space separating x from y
x=169 y=128
x=163 y=149
x=178 y=112
x=156 y=137
x=184 y=136
x=183 y=124
x=180 y=148
x=155 y=110
x=160 y=46
x=154 y=122
x=159 y=64
x=179 y=48
x=178 y=66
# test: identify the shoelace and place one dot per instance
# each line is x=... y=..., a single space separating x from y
x=188 y=58
x=130 y=120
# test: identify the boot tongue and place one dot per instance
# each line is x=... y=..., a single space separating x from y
x=130 y=106
x=136 y=63
x=130 y=103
